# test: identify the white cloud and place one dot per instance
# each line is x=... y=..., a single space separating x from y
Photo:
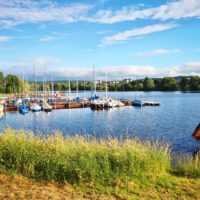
x=177 y=9
x=5 y=38
x=157 y=52
x=117 y=72
x=64 y=72
x=137 y=32
x=29 y=61
x=15 y=12
x=47 y=38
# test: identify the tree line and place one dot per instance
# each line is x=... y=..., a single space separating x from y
x=13 y=84
x=10 y=84
x=147 y=84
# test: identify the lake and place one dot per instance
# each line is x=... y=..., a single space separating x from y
x=173 y=121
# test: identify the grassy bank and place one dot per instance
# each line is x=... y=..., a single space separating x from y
x=109 y=167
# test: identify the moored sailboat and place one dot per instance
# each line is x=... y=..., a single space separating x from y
x=35 y=107
x=45 y=106
x=23 y=108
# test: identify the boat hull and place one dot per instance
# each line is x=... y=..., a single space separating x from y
x=23 y=109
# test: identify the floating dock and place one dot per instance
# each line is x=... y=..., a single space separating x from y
x=151 y=103
x=147 y=103
x=10 y=108
x=65 y=104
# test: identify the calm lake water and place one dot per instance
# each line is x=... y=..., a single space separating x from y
x=173 y=121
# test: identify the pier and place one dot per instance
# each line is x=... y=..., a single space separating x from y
x=10 y=103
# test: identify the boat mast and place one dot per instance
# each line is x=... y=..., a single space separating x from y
x=23 y=87
x=106 y=86
x=52 y=87
x=84 y=87
x=94 y=83
x=69 y=90
x=34 y=88
x=77 y=88
x=136 y=87
x=26 y=83
x=45 y=79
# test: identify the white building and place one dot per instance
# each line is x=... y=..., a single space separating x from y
x=127 y=80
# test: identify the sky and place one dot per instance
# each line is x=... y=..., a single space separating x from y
x=123 y=38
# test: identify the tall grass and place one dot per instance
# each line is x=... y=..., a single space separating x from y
x=187 y=166
x=80 y=159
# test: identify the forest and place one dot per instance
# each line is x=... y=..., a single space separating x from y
x=13 y=84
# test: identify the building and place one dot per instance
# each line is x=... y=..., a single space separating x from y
x=127 y=80
x=98 y=82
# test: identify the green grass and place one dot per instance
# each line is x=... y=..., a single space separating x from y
x=80 y=159
x=110 y=166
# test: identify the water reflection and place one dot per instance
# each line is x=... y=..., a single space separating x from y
x=1 y=115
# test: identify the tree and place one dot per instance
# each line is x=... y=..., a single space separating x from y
x=140 y=85
x=194 y=83
x=64 y=87
x=13 y=84
x=58 y=86
x=1 y=82
x=184 y=84
x=149 y=84
x=127 y=86
x=169 y=84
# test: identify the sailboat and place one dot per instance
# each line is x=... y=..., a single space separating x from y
x=35 y=107
x=23 y=108
x=111 y=103
x=138 y=101
x=77 y=94
x=94 y=95
x=104 y=102
x=45 y=106
x=52 y=101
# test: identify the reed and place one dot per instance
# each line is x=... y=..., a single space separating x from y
x=80 y=159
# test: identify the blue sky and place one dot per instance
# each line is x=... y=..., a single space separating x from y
x=121 y=37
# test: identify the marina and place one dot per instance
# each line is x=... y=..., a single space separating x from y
x=145 y=122
x=14 y=103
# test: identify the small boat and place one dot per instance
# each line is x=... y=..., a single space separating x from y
x=98 y=103
x=138 y=102
x=120 y=104
x=23 y=109
x=46 y=107
x=51 y=102
x=114 y=103
x=35 y=107
x=19 y=101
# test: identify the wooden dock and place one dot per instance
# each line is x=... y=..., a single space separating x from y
x=64 y=104
x=151 y=103
x=10 y=108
